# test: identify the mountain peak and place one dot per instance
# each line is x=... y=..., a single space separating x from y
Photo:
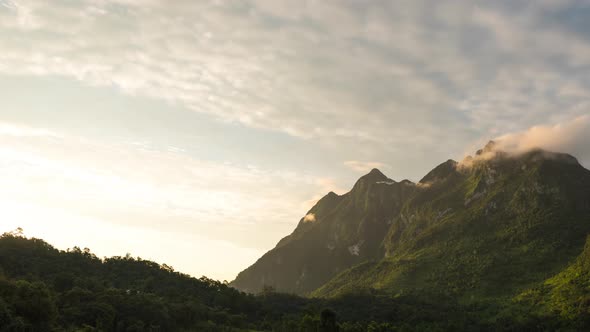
x=540 y=154
x=494 y=152
x=373 y=176
x=376 y=172
x=490 y=147
x=440 y=172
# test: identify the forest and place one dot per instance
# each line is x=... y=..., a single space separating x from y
x=45 y=289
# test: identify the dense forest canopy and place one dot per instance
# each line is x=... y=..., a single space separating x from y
x=45 y=289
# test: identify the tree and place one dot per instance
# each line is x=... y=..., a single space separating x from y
x=328 y=321
x=308 y=324
x=18 y=232
x=33 y=302
x=5 y=314
x=268 y=290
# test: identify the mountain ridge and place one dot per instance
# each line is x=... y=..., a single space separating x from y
x=392 y=236
x=345 y=244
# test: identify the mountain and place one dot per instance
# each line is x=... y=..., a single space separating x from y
x=336 y=234
x=487 y=227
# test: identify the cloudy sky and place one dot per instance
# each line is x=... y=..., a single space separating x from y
x=198 y=133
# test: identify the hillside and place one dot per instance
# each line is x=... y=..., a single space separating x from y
x=483 y=228
x=486 y=230
x=42 y=288
x=566 y=294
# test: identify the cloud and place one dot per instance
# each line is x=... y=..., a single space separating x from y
x=570 y=137
x=424 y=185
x=380 y=75
x=310 y=217
x=364 y=166
x=8 y=129
x=138 y=185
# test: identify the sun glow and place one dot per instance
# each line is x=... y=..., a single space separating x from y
x=159 y=205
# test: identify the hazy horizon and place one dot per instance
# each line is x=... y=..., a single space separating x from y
x=198 y=134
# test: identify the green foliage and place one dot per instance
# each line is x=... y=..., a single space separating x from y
x=5 y=314
x=565 y=295
x=75 y=291
x=328 y=321
x=44 y=288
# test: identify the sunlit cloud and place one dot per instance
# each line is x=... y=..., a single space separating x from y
x=364 y=166
x=570 y=137
x=310 y=217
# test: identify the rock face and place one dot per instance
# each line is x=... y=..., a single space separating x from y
x=346 y=231
x=488 y=226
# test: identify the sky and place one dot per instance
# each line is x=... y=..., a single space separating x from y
x=198 y=133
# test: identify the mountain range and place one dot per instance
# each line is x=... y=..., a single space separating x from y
x=494 y=225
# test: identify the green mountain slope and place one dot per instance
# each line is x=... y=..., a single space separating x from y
x=487 y=227
x=565 y=295
x=336 y=234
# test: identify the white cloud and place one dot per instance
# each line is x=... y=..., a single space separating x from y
x=571 y=137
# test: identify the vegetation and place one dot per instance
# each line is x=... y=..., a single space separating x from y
x=489 y=231
x=500 y=234
x=44 y=289
x=486 y=226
